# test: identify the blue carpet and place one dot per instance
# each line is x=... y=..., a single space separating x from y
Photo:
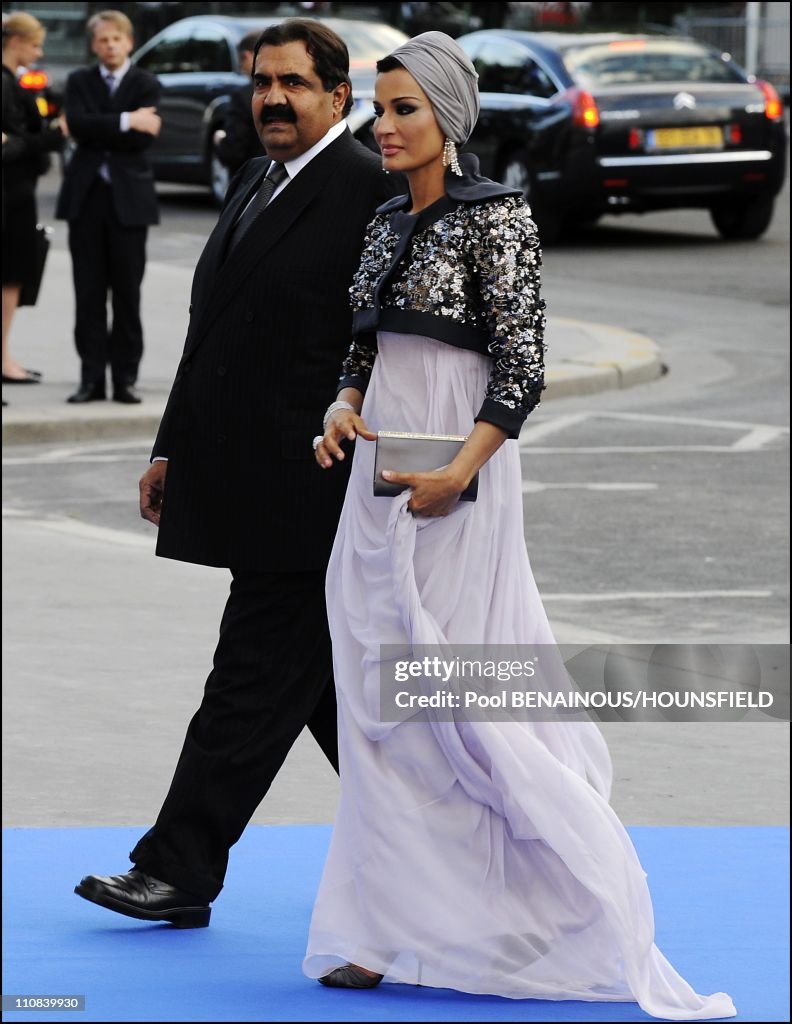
x=721 y=910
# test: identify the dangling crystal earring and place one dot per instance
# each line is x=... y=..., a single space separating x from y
x=451 y=157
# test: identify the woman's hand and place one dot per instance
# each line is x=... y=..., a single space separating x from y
x=436 y=493
x=433 y=494
x=344 y=423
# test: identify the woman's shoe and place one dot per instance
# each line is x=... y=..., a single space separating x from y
x=350 y=976
x=31 y=377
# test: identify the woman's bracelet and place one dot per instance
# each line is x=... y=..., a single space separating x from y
x=334 y=408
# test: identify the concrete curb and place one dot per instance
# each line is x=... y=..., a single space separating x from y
x=618 y=359
x=48 y=424
x=585 y=359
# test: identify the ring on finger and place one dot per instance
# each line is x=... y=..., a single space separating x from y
x=317 y=441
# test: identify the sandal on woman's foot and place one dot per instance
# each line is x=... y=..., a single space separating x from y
x=350 y=976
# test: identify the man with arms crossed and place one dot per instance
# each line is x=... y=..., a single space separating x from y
x=108 y=198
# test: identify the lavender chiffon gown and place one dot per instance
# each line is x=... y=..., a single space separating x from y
x=482 y=857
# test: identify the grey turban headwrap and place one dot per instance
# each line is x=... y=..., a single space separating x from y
x=445 y=73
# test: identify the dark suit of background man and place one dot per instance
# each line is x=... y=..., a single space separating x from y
x=238 y=141
x=269 y=326
x=108 y=198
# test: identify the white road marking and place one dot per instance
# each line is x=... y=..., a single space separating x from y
x=535 y=431
x=74 y=460
x=77 y=451
x=84 y=531
x=757 y=438
x=532 y=486
x=103 y=446
x=657 y=595
x=624 y=449
x=758 y=434
x=687 y=421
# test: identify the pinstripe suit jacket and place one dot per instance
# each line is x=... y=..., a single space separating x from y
x=269 y=328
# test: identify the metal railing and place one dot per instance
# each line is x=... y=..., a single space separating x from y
x=729 y=35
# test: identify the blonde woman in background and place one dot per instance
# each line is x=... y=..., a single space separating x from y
x=26 y=143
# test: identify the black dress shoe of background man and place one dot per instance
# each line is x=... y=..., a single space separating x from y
x=137 y=894
x=127 y=395
x=87 y=393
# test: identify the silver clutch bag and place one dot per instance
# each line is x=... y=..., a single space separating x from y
x=415 y=453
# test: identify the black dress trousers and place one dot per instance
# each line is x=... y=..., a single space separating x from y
x=107 y=256
x=272 y=676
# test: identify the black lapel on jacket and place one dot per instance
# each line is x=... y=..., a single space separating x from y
x=100 y=90
x=127 y=85
x=272 y=224
x=212 y=255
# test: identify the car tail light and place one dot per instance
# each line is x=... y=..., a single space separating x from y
x=34 y=80
x=585 y=112
x=774 y=108
x=634 y=139
x=735 y=134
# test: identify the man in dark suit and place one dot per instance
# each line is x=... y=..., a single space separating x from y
x=234 y=482
x=108 y=198
x=238 y=141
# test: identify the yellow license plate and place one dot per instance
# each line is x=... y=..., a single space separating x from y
x=687 y=138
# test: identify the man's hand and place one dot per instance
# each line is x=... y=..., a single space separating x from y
x=152 y=487
x=145 y=119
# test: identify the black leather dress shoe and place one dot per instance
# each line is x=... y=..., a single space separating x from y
x=350 y=976
x=138 y=895
x=127 y=395
x=87 y=394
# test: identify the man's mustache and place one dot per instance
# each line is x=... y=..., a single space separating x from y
x=277 y=114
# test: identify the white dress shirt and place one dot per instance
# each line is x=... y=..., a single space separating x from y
x=123 y=124
x=293 y=167
x=117 y=76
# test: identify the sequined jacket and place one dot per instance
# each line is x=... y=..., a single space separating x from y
x=464 y=271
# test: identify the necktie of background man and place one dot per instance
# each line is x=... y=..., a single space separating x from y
x=274 y=176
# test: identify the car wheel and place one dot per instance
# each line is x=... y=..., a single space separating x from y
x=516 y=173
x=218 y=178
x=746 y=219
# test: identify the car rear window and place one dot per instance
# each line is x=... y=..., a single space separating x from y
x=368 y=42
x=638 y=61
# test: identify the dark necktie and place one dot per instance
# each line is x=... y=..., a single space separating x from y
x=273 y=178
x=110 y=82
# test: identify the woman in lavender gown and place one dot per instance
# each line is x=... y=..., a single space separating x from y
x=478 y=856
